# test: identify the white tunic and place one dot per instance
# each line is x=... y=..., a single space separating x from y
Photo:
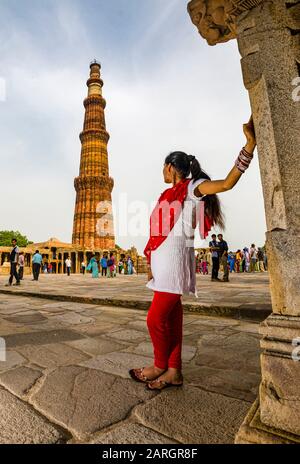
x=173 y=263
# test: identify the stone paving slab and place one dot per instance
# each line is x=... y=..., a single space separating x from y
x=95 y=346
x=146 y=349
x=134 y=434
x=97 y=329
x=191 y=415
x=246 y=296
x=71 y=319
x=227 y=381
x=117 y=363
x=6 y=310
x=26 y=319
x=52 y=355
x=239 y=349
x=86 y=400
x=20 y=424
x=127 y=335
x=13 y=359
x=40 y=338
x=20 y=380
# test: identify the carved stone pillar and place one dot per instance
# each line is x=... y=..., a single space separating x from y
x=77 y=263
x=269 y=43
x=62 y=263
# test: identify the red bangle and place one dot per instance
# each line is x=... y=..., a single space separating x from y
x=247 y=153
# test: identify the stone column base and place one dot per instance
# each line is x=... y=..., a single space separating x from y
x=253 y=431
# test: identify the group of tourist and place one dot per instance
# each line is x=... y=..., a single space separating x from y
x=211 y=259
x=107 y=266
x=248 y=260
x=17 y=263
x=218 y=256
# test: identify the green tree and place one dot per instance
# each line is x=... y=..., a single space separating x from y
x=6 y=237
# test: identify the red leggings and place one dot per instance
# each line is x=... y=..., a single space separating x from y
x=164 y=322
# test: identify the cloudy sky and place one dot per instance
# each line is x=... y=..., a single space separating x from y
x=166 y=89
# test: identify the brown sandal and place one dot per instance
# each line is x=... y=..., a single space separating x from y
x=162 y=385
x=138 y=376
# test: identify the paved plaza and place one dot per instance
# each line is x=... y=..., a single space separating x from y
x=65 y=379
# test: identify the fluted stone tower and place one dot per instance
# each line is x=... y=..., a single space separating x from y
x=93 y=221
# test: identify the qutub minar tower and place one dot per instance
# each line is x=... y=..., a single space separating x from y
x=93 y=221
x=93 y=231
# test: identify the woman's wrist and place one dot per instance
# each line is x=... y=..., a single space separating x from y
x=250 y=147
x=244 y=159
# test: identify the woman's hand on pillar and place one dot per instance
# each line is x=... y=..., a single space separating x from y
x=249 y=132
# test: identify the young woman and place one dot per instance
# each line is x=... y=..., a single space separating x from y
x=231 y=259
x=129 y=266
x=238 y=257
x=171 y=257
x=198 y=264
x=204 y=267
x=224 y=262
x=246 y=260
x=120 y=266
x=111 y=265
x=93 y=266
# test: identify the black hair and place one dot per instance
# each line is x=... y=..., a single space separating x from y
x=187 y=165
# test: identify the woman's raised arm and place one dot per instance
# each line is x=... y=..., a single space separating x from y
x=210 y=187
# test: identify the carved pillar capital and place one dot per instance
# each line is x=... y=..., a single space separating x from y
x=216 y=19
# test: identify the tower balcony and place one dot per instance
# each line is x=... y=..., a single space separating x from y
x=93 y=182
x=92 y=134
x=94 y=100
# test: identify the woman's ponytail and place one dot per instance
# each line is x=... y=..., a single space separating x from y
x=212 y=203
x=188 y=164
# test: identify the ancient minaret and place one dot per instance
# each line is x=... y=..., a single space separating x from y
x=93 y=222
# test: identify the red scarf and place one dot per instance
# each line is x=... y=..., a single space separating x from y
x=167 y=212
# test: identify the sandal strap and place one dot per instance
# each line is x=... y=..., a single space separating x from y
x=161 y=382
x=142 y=376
